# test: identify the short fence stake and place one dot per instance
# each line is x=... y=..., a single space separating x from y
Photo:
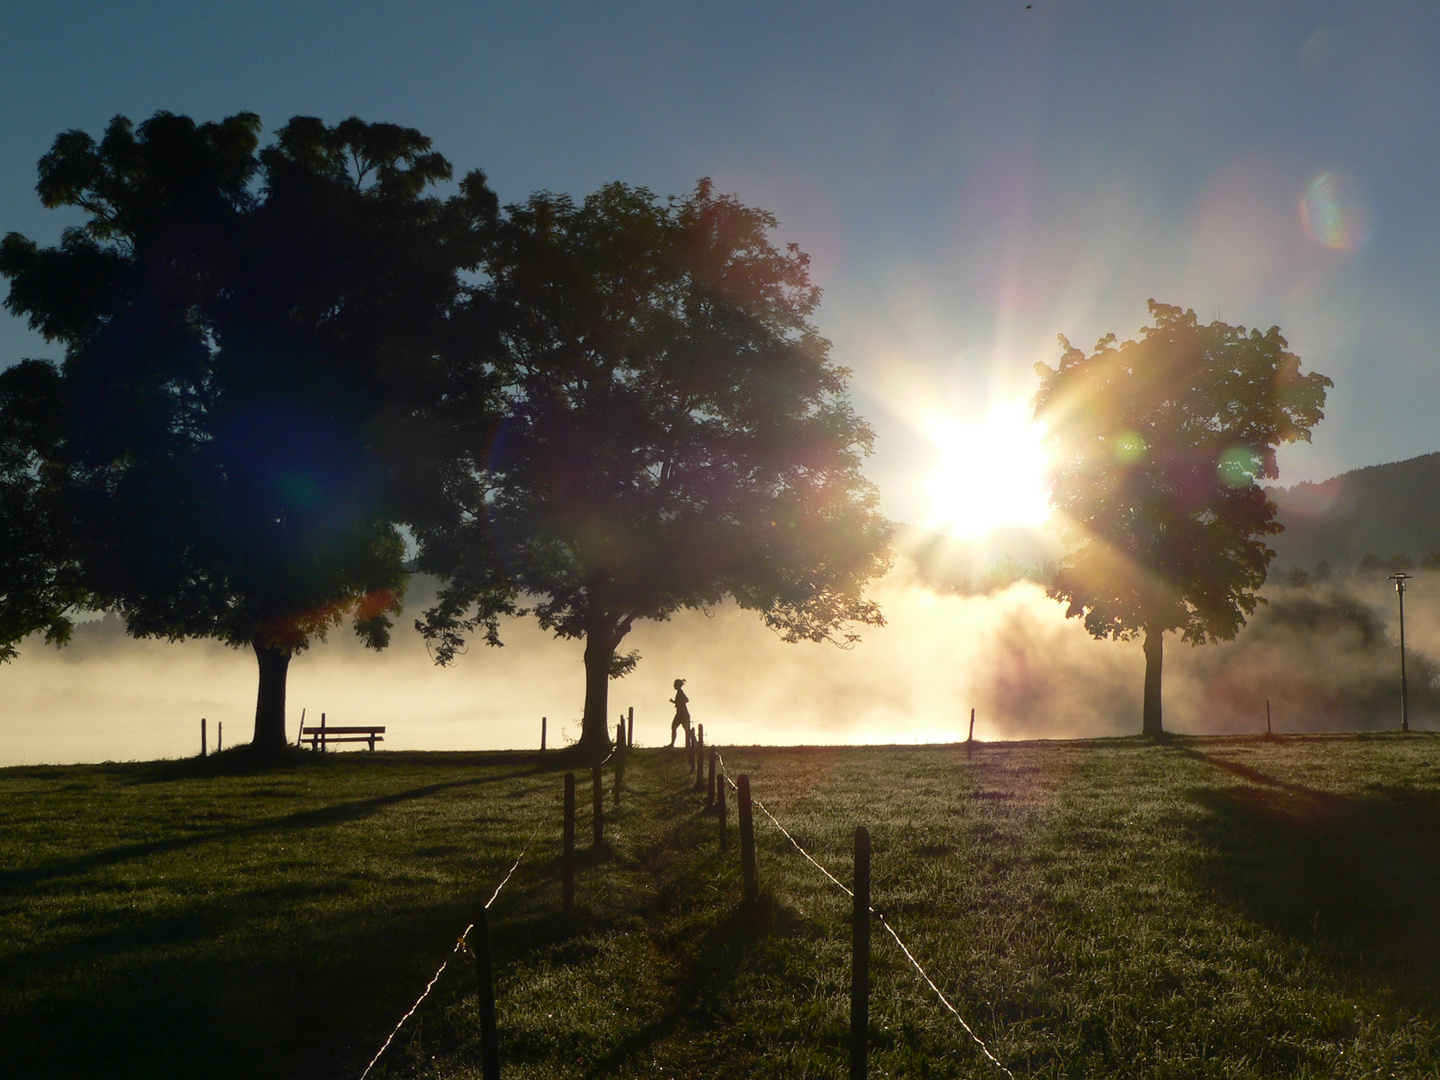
x=710 y=798
x=485 y=994
x=619 y=759
x=860 y=959
x=720 y=809
x=630 y=729
x=567 y=887
x=543 y=720
x=202 y=736
x=747 y=839
x=1267 y=716
x=700 y=759
x=689 y=749
x=219 y=735
x=322 y=733
x=597 y=799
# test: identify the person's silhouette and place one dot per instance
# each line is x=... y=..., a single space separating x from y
x=682 y=712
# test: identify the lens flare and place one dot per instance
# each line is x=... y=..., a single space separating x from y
x=1335 y=213
x=1129 y=447
x=1237 y=467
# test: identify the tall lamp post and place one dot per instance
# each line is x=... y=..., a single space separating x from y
x=1400 y=580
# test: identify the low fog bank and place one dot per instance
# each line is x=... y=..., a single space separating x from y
x=1322 y=654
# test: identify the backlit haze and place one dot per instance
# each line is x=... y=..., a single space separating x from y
x=970 y=180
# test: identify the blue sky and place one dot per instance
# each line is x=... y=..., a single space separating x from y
x=970 y=179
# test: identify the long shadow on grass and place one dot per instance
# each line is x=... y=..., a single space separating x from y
x=1356 y=878
x=718 y=960
x=304 y=819
x=318 y=1007
x=245 y=760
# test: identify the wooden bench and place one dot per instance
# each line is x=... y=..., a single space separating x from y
x=323 y=734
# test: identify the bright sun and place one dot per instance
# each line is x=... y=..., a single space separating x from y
x=987 y=475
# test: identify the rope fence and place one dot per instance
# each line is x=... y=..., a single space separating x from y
x=462 y=943
x=879 y=916
x=474 y=940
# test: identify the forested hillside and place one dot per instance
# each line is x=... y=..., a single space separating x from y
x=1389 y=511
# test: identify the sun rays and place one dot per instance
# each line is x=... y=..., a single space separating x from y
x=988 y=474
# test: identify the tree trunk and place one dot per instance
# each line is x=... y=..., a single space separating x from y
x=270 y=734
x=595 y=727
x=1154 y=659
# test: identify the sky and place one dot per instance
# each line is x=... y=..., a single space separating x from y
x=970 y=179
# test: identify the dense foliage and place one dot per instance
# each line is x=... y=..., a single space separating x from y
x=256 y=342
x=39 y=578
x=1158 y=448
x=675 y=434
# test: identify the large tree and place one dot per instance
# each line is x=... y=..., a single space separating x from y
x=256 y=342
x=676 y=434
x=1158 y=446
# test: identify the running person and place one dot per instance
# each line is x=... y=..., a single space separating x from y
x=682 y=712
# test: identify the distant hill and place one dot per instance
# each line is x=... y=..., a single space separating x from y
x=1391 y=511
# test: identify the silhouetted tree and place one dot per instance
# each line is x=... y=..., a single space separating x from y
x=676 y=435
x=1158 y=446
x=39 y=579
x=255 y=345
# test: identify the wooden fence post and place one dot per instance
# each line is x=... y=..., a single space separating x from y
x=619 y=759
x=700 y=760
x=630 y=729
x=567 y=888
x=202 y=736
x=322 y=733
x=543 y=721
x=721 y=810
x=860 y=959
x=485 y=993
x=747 y=839
x=689 y=750
x=710 y=798
x=1267 y=718
x=219 y=735
x=597 y=801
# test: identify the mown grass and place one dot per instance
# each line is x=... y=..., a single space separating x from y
x=1196 y=908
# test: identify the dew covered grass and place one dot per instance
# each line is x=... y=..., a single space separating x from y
x=1115 y=908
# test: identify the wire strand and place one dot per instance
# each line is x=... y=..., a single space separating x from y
x=462 y=942
x=879 y=916
x=506 y=878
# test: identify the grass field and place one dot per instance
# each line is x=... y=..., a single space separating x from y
x=1197 y=908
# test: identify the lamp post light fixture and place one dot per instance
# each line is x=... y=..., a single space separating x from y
x=1400 y=580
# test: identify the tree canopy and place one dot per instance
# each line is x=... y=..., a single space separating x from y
x=257 y=343
x=675 y=434
x=1158 y=446
x=39 y=579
